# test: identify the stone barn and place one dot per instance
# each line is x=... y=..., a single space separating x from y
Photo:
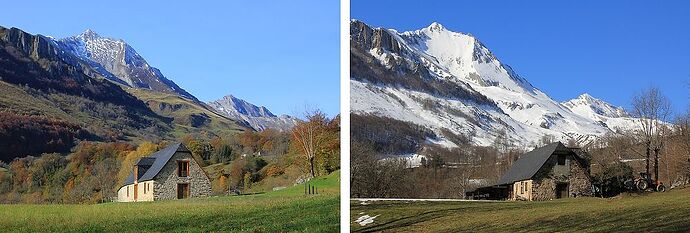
x=550 y=172
x=171 y=173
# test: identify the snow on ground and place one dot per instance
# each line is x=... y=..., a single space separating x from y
x=411 y=160
x=365 y=219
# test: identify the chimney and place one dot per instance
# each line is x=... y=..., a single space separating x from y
x=136 y=173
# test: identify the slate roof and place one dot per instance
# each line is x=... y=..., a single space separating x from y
x=529 y=164
x=155 y=163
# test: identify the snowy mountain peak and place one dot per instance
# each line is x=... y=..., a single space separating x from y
x=588 y=106
x=246 y=108
x=259 y=118
x=586 y=96
x=89 y=34
x=119 y=62
x=436 y=27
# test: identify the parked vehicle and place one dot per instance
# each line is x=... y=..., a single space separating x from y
x=645 y=182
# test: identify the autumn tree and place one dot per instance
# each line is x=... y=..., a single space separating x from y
x=309 y=136
x=200 y=149
x=144 y=149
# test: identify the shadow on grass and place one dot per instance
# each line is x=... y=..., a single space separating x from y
x=426 y=215
x=638 y=214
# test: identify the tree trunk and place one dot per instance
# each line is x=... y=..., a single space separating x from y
x=648 y=152
x=311 y=164
x=656 y=164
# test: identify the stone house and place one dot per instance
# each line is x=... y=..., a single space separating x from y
x=550 y=172
x=171 y=173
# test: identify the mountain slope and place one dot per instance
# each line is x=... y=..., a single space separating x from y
x=448 y=80
x=64 y=99
x=259 y=118
x=119 y=62
x=50 y=99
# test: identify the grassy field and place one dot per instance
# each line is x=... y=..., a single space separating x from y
x=653 y=212
x=286 y=210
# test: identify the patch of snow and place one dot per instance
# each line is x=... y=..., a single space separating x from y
x=366 y=219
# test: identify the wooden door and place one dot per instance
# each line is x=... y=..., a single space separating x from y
x=182 y=191
x=136 y=191
x=562 y=190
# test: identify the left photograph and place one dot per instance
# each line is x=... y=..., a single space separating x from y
x=156 y=116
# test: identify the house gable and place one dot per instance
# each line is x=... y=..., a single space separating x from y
x=564 y=171
x=167 y=180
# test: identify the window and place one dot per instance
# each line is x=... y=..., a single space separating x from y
x=522 y=187
x=127 y=191
x=182 y=168
x=561 y=159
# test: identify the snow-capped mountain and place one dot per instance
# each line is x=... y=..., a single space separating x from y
x=119 y=62
x=442 y=79
x=588 y=106
x=259 y=118
x=615 y=118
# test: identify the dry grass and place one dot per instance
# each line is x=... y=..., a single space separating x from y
x=652 y=212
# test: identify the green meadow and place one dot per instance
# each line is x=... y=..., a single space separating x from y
x=287 y=210
x=649 y=212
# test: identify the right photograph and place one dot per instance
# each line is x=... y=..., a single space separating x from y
x=512 y=116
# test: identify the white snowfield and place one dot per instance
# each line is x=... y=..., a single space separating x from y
x=524 y=113
x=411 y=160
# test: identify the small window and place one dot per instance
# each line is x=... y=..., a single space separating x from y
x=522 y=187
x=183 y=168
x=561 y=159
x=127 y=191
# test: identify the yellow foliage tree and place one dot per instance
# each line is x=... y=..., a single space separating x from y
x=144 y=149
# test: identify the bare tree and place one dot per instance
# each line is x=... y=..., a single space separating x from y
x=546 y=139
x=652 y=109
x=309 y=136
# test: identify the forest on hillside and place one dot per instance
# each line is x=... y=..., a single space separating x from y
x=251 y=161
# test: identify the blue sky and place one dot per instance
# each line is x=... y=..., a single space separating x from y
x=610 y=49
x=281 y=54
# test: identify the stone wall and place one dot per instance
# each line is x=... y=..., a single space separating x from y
x=580 y=182
x=166 y=181
x=544 y=182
